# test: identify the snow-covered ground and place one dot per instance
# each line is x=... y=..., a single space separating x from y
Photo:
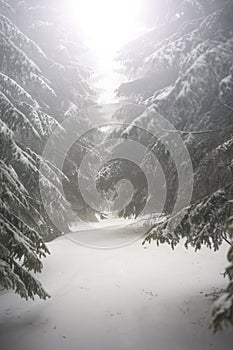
x=135 y=297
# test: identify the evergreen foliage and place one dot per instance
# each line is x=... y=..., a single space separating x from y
x=36 y=94
x=182 y=69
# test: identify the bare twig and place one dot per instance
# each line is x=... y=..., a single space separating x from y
x=226 y=240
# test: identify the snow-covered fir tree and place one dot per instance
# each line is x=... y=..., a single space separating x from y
x=41 y=84
x=182 y=69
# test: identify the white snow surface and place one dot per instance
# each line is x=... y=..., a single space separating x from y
x=135 y=297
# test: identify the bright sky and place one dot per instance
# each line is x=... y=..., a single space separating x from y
x=107 y=24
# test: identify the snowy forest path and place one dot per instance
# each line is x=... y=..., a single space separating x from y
x=136 y=297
